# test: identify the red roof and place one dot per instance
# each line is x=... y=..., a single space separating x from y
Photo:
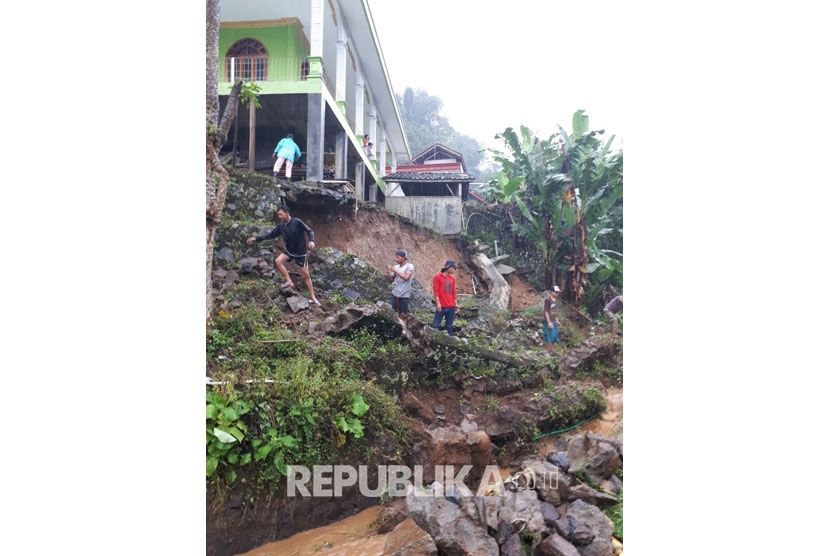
x=448 y=167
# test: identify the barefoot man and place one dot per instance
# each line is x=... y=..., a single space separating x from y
x=293 y=232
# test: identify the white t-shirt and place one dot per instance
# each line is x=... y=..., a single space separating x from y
x=403 y=288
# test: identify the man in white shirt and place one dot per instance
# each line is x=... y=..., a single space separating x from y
x=401 y=275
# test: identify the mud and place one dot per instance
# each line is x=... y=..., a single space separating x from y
x=353 y=536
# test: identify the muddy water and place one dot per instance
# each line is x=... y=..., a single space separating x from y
x=353 y=536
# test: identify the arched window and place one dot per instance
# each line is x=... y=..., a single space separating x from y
x=247 y=59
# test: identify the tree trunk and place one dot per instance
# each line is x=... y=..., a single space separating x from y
x=216 y=133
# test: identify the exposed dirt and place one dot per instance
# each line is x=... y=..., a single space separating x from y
x=374 y=235
x=522 y=294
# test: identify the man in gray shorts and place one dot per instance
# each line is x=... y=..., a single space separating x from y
x=401 y=275
x=611 y=309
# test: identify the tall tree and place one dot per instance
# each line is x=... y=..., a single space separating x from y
x=424 y=126
x=216 y=133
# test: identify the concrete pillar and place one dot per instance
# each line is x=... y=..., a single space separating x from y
x=382 y=150
x=340 y=156
x=315 y=56
x=393 y=166
x=315 y=130
x=359 y=182
x=340 y=81
x=358 y=105
x=373 y=126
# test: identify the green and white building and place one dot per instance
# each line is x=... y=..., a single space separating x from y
x=322 y=76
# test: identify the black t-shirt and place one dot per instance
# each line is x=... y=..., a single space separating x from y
x=292 y=233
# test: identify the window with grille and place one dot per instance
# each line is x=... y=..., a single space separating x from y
x=247 y=59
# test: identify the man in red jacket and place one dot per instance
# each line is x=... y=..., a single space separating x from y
x=443 y=291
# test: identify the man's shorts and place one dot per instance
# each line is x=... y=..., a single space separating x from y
x=400 y=304
x=299 y=260
x=551 y=334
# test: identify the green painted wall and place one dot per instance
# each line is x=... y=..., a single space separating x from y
x=286 y=51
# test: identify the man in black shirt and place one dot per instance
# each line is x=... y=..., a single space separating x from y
x=293 y=231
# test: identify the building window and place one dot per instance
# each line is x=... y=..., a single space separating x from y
x=247 y=59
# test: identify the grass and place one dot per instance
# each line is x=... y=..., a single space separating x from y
x=615 y=514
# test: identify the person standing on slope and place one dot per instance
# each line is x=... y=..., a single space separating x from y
x=401 y=275
x=551 y=325
x=445 y=296
x=611 y=309
x=293 y=231
x=286 y=151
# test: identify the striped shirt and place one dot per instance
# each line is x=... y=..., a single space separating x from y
x=615 y=305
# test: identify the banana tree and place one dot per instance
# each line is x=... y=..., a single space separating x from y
x=564 y=188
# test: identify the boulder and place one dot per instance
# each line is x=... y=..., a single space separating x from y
x=248 y=264
x=456 y=529
x=351 y=294
x=549 y=513
x=592 y=519
x=225 y=254
x=391 y=515
x=450 y=445
x=512 y=546
x=594 y=455
x=559 y=459
x=592 y=496
x=555 y=545
x=583 y=356
x=408 y=539
x=297 y=303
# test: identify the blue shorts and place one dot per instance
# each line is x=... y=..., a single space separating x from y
x=551 y=334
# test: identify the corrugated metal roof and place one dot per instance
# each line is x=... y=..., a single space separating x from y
x=429 y=176
x=448 y=167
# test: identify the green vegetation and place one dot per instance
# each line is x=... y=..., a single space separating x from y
x=527 y=537
x=575 y=403
x=615 y=514
x=564 y=195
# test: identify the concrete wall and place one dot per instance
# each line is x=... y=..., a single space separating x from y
x=442 y=214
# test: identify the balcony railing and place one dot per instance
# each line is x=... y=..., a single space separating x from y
x=262 y=68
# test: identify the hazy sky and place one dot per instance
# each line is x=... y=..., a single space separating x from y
x=499 y=64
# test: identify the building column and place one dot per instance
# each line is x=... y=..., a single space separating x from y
x=341 y=149
x=340 y=81
x=315 y=57
x=359 y=182
x=382 y=149
x=315 y=130
x=358 y=105
x=373 y=127
x=393 y=166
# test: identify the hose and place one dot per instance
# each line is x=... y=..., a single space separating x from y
x=565 y=430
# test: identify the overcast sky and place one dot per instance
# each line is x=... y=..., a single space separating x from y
x=499 y=64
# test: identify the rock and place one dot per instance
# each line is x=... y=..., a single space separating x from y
x=247 y=264
x=391 y=515
x=583 y=356
x=468 y=426
x=549 y=513
x=555 y=545
x=351 y=294
x=225 y=254
x=313 y=327
x=560 y=460
x=505 y=530
x=582 y=536
x=218 y=276
x=513 y=546
x=230 y=279
x=551 y=483
x=594 y=455
x=592 y=496
x=456 y=530
x=525 y=506
x=565 y=526
x=613 y=484
x=591 y=518
x=508 y=386
x=235 y=304
x=297 y=303
x=439 y=409
x=450 y=445
x=416 y=408
x=409 y=540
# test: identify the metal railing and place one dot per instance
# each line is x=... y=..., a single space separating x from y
x=262 y=68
